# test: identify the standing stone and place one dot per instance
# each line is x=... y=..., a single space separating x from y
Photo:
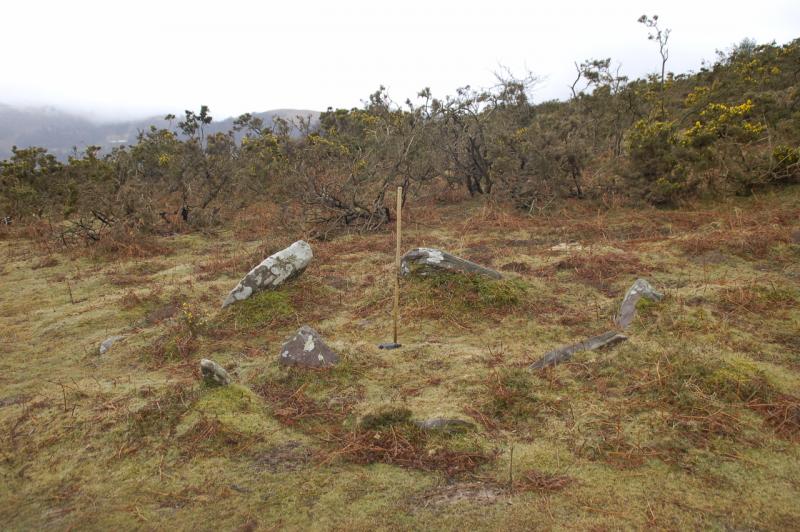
x=639 y=289
x=307 y=348
x=106 y=344
x=562 y=354
x=213 y=373
x=423 y=261
x=272 y=272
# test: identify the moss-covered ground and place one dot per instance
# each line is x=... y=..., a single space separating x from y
x=693 y=423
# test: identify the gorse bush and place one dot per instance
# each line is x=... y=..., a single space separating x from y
x=730 y=128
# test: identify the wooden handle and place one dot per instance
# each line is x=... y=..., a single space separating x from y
x=397 y=262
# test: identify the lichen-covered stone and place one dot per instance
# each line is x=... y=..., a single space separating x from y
x=422 y=261
x=106 y=344
x=272 y=272
x=627 y=310
x=213 y=373
x=562 y=354
x=307 y=348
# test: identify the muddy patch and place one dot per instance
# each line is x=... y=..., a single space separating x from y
x=711 y=257
x=470 y=492
x=289 y=456
x=162 y=313
x=13 y=400
x=516 y=267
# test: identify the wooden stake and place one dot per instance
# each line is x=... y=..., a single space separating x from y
x=397 y=263
x=71 y=299
x=511 y=470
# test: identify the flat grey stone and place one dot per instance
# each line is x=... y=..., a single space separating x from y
x=213 y=373
x=272 y=272
x=627 y=310
x=422 y=261
x=445 y=424
x=562 y=354
x=106 y=344
x=307 y=348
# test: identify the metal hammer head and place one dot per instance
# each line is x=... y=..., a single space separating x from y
x=389 y=346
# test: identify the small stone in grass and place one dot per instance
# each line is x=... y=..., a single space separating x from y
x=307 y=348
x=106 y=344
x=213 y=373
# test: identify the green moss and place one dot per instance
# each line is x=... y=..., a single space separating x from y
x=178 y=343
x=231 y=399
x=673 y=410
x=513 y=398
x=385 y=417
x=646 y=307
x=145 y=268
x=232 y=412
x=158 y=418
x=258 y=310
x=691 y=380
x=320 y=383
x=739 y=380
x=462 y=293
x=312 y=401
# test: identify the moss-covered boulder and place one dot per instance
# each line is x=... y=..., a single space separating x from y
x=638 y=290
x=214 y=374
x=422 y=261
x=272 y=272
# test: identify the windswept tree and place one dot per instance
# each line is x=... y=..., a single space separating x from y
x=661 y=38
x=31 y=181
x=357 y=156
x=468 y=121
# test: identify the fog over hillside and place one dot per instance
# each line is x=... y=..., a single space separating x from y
x=62 y=132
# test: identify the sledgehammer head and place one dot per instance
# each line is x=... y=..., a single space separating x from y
x=390 y=346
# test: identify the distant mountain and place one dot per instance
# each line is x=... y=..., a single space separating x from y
x=60 y=132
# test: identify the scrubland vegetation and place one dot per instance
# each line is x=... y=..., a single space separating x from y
x=693 y=423
x=728 y=130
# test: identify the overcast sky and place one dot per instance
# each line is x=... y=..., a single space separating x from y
x=113 y=59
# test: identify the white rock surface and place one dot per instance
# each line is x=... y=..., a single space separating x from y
x=424 y=260
x=307 y=348
x=272 y=272
x=213 y=373
x=106 y=344
x=627 y=310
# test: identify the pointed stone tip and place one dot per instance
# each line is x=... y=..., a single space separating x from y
x=423 y=260
x=306 y=247
x=307 y=348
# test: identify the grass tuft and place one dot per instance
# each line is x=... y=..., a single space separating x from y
x=511 y=401
x=602 y=270
x=385 y=418
x=756 y=242
x=404 y=444
x=260 y=310
x=454 y=296
x=158 y=419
